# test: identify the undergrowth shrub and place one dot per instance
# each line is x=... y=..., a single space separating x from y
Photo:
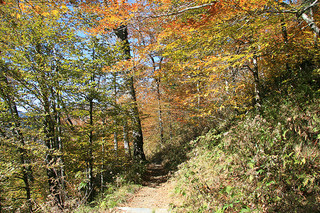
x=264 y=163
x=113 y=196
x=120 y=185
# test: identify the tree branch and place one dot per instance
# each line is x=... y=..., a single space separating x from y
x=300 y=13
x=184 y=10
x=311 y=23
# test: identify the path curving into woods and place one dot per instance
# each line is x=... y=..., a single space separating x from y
x=153 y=197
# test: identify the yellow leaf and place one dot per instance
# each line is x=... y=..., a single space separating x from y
x=64 y=8
x=55 y=12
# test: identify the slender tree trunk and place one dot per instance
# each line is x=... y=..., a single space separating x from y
x=311 y=23
x=52 y=159
x=125 y=139
x=160 y=111
x=198 y=97
x=60 y=156
x=25 y=169
x=315 y=34
x=48 y=99
x=115 y=133
x=57 y=113
x=102 y=168
x=257 y=89
x=256 y=82
x=90 y=190
x=285 y=39
x=158 y=81
x=170 y=123
x=138 y=153
x=115 y=138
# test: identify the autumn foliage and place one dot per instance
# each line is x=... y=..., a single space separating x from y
x=85 y=82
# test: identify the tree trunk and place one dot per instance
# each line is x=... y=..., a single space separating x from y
x=115 y=133
x=160 y=111
x=256 y=83
x=115 y=138
x=257 y=89
x=138 y=153
x=170 y=121
x=25 y=169
x=102 y=168
x=158 y=80
x=90 y=189
x=311 y=23
x=315 y=35
x=125 y=139
x=137 y=136
x=308 y=18
x=57 y=113
x=53 y=157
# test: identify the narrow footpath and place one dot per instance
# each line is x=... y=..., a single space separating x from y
x=153 y=197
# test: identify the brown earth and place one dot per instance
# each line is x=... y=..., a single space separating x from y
x=153 y=196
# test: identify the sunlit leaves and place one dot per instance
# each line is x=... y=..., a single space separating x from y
x=223 y=38
x=108 y=14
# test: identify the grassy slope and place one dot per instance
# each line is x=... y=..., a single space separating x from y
x=264 y=163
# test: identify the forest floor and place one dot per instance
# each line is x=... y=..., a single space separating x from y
x=153 y=196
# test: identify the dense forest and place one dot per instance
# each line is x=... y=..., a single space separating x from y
x=225 y=92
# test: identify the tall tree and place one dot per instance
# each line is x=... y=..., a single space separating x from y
x=138 y=153
x=7 y=94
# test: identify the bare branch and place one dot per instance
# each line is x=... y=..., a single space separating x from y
x=307 y=8
x=249 y=68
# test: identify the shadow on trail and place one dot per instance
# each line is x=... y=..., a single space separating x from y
x=166 y=161
x=155 y=175
x=163 y=164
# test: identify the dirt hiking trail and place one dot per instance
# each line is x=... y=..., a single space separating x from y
x=153 y=197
